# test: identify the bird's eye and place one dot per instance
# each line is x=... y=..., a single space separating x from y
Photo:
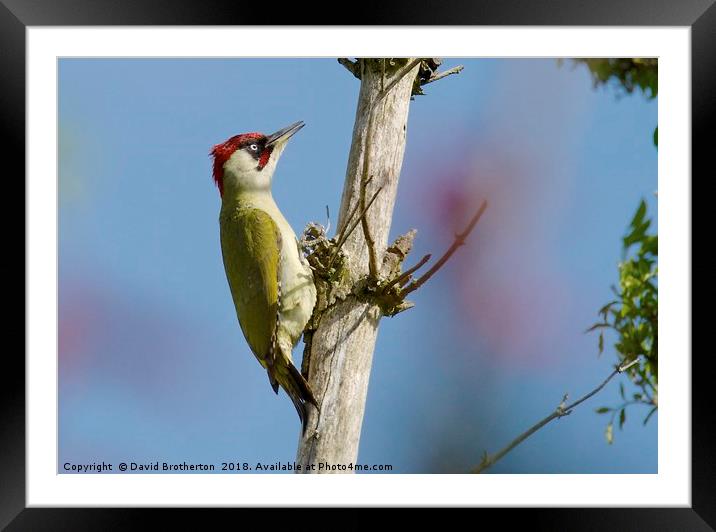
x=253 y=147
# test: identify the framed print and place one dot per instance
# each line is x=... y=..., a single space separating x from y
x=541 y=151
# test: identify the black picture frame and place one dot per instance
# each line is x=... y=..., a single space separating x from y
x=16 y=15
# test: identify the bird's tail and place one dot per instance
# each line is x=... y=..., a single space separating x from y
x=297 y=388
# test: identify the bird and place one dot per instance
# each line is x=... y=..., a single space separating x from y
x=270 y=281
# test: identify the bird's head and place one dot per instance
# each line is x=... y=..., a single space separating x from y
x=247 y=162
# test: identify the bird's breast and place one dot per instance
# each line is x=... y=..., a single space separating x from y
x=298 y=291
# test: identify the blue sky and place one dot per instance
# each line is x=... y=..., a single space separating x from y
x=153 y=365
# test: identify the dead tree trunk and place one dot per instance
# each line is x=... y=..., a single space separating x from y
x=341 y=346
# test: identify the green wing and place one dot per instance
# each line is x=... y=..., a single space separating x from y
x=250 y=245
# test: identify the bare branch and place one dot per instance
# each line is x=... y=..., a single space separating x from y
x=340 y=236
x=328 y=219
x=352 y=66
x=459 y=241
x=444 y=74
x=560 y=411
x=405 y=276
x=358 y=220
x=372 y=255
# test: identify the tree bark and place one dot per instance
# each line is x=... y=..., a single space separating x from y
x=341 y=347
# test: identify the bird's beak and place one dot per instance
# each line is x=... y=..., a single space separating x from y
x=282 y=135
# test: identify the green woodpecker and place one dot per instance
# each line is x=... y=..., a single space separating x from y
x=271 y=283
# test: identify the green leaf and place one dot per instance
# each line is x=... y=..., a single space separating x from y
x=650 y=245
x=638 y=218
x=656 y=136
x=621 y=391
x=638 y=234
x=622 y=418
x=601 y=342
x=603 y=410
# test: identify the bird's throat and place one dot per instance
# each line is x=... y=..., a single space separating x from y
x=261 y=199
